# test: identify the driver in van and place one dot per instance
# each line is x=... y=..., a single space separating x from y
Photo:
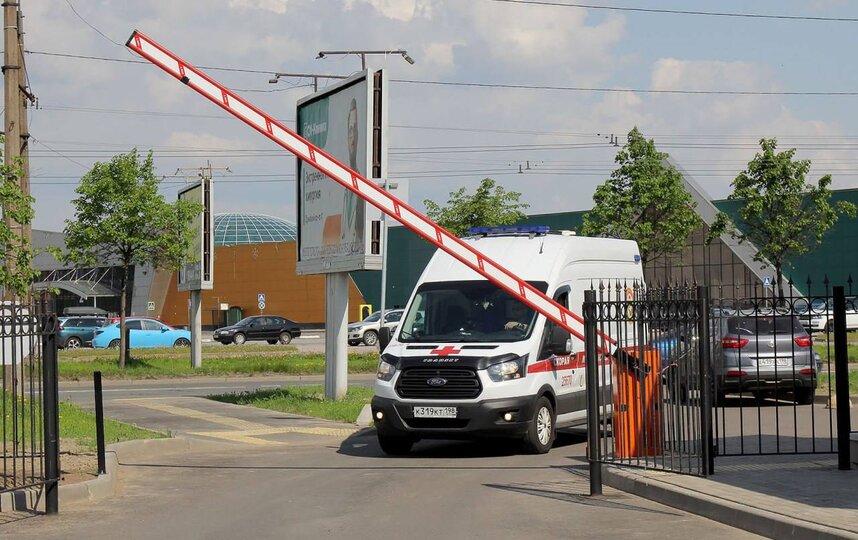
x=519 y=317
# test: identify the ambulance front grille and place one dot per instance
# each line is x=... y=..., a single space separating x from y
x=459 y=383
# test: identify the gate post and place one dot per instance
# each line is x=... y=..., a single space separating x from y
x=591 y=359
x=50 y=388
x=841 y=374
x=704 y=379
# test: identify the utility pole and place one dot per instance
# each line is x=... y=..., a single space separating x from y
x=195 y=318
x=16 y=98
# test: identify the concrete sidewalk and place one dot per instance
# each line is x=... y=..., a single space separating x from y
x=802 y=496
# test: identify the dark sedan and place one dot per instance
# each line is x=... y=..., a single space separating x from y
x=259 y=328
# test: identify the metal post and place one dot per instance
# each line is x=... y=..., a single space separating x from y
x=127 y=342
x=383 y=262
x=704 y=379
x=50 y=386
x=196 y=329
x=99 y=422
x=336 y=357
x=841 y=374
x=592 y=393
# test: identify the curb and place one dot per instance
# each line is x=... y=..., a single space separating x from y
x=754 y=520
x=104 y=486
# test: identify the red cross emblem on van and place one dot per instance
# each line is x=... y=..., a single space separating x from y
x=446 y=351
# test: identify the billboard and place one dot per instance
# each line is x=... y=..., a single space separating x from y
x=197 y=270
x=337 y=231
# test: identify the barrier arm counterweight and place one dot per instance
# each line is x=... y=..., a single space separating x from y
x=362 y=187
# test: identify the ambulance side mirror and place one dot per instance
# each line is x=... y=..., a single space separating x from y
x=384 y=336
x=560 y=341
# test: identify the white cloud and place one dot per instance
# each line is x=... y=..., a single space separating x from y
x=399 y=10
x=441 y=53
x=275 y=6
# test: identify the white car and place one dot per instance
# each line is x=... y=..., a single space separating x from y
x=366 y=331
x=820 y=317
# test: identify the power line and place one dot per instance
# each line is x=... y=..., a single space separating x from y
x=102 y=34
x=512 y=86
x=620 y=90
x=682 y=11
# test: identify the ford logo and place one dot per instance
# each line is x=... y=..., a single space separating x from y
x=436 y=381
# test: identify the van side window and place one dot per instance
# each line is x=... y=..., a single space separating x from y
x=561 y=298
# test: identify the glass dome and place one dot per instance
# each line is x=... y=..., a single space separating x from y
x=234 y=229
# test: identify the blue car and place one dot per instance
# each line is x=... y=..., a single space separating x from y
x=144 y=333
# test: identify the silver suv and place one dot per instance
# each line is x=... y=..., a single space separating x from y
x=765 y=354
x=366 y=331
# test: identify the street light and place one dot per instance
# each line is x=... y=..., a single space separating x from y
x=314 y=76
x=402 y=52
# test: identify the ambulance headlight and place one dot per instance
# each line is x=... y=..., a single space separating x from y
x=508 y=369
x=386 y=368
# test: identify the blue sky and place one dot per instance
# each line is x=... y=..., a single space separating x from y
x=90 y=110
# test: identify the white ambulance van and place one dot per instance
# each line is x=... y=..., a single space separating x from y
x=468 y=360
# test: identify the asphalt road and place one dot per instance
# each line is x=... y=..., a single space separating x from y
x=349 y=489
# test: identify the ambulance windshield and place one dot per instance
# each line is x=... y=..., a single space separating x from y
x=474 y=311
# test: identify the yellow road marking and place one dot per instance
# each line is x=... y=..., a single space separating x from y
x=244 y=431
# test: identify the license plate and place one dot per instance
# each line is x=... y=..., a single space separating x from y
x=770 y=362
x=434 y=412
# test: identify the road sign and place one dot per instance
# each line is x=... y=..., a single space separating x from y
x=260 y=297
x=261 y=305
x=150 y=306
x=767 y=282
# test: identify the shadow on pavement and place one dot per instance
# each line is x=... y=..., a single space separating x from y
x=364 y=444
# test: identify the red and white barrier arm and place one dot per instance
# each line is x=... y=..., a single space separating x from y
x=351 y=180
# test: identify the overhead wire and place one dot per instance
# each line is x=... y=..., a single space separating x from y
x=776 y=16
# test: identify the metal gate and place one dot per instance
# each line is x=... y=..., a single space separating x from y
x=30 y=435
x=652 y=399
x=773 y=358
x=691 y=379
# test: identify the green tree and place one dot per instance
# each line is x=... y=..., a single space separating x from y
x=489 y=205
x=781 y=214
x=17 y=274
x=121 y=217
x=643 y=200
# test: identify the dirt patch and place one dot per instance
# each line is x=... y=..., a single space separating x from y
x=77 y=463
x=22 y=467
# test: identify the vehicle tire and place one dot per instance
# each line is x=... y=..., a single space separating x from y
x=370 y=338
x=114 y=344
x=804 y=396
x=182 y=342
x=395 y=446
x=759 y=396
x=73 y=342
x=285 y=338
x=541 y=432
x=239 y=338
x=272 y=341
x=353 y=343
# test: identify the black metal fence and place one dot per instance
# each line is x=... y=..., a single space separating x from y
x=646 y=347
x=28 y=354
x=682 y=378
x=773 y=360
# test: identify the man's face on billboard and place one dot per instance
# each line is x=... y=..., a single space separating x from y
x=353 y=134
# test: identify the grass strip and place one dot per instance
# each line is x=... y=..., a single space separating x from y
x=154 y=367
x=826 y=349
x=304 y=400
x=75 y=423
x=827 y=379
x=78 y=424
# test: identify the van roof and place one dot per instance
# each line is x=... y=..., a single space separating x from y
x=532 y=258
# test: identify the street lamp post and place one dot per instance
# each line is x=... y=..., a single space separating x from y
x=362 y=54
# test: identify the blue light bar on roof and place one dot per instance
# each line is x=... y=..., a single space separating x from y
x=509 y=229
